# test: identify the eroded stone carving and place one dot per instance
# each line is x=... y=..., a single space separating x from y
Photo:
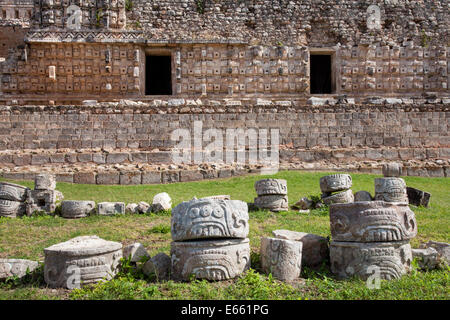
x=210 y=260
x=80 y=261
x=206 y=218
x=13 y=192
x=11 y=209
x=271 y=187
x=372 y=221
x=390 y=259
x=282 y=258
x=335 y=182
x=44 y=181
x=391 y=189
x=73 y=209
x=16 y=267
x=273 y=202
x=340 y=197
x=110 y=208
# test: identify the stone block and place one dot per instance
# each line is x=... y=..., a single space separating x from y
x=340 y=197
x=170 y=176
x=74 y=209
x=392 y=169
x=108 y=178
x=161 y=202
x=190 y=175
x=159 y=265
x=418 y=197
x=110 y=208
x=151 y=177
x=427 y=258
x=84 y=177
x=136 y=252
x=130 y=178
x=117 y=157
x=362 y=196
x=64 y=177
x=13 y=192
x=16 y=267
x=282 y=258
x=45 y=181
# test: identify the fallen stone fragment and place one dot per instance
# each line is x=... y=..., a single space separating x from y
x=44 y=181
x=390 y=189
x=335 y=182
x=218 y=197
x=273 y=202
x=206 y=218
x=161 y=202
x=389 y=260
x=282 y=258
x=13 y=192
x=426 y=258
x=303 y=204
x=110 y=208
x=340 y=197
x=73 y=209
x=131 y=208
x=81 y=261
x=392 y=169
x=372 y=221
x=442 y=248
x=271 y=187
x=418 y=197
x=41 y=200
x=144 y=207
x=159 y=265
x=362 y=196
x=315 y=248
x=209 y=259
x=16 y=267
x=12 y=209
x=135 y=252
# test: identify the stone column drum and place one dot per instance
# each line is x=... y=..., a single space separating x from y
x=370 y=221
x=336 y=188
x=73 y=209
x=12 y=199
x=282 y=258
x=80 y=261
x=391 y=189
x=209 y=259
x=272 y=194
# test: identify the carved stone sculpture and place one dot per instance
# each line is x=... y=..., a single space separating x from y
x=340 y=197
x=110 y=208
x=282 y=258
x=272 y=202
x=13 y=192
x=73 y=209
x=390 y=260
x=371 y=221
x=210 y=259
x=11 y=209
x=335 y=182
x=44 y=181
x=271 y=187
x=391 y=189
x=209 y=218
x=41 y=200
x=16 y=267
x=392 y=169
x=80 y=261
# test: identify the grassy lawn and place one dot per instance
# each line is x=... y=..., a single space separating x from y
x=27 y=237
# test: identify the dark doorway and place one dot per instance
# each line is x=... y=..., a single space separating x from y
x=320 y=74
x=158 y=75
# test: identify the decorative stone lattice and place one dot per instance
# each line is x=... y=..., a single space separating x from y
x=272 y=194
x=210 y=260
x=391 y=189
x=390 y=260
x=73 y=209
x=282 y=258
x=372 y=221
x=80 y=261
x=209 y=218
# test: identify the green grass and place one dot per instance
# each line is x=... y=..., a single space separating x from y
x=27 y=237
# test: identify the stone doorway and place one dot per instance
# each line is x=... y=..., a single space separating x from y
x=158 y=75
x=321 y=73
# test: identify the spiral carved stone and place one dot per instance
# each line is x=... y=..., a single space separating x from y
x=335 y=182
x=271 y=187
x=210 y=260
x=282 y=258
x=273 y=202
x=85 y=259
x=390 y=260
x=209 y=218
x=372 y=221
x=341 y=197
x=391 y=189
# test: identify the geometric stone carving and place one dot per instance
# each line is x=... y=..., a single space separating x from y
x=371 y=221
x=391 y=189
x=74 y=209
x=392 y=169
x=282 y=258
x=341 y=197
x=161 y=202
x=335 y=182
x=13 y=192
x=389 y=259
x=209 y=218
x=80 y=261
x=135 y=252
x=110 y=208
x=315 y=248
x=210 y=260
x=362 y=196
x=418 y=197
x=11 y=209
x=271 y=186
x=44 y=181
x=16 y=267
x=273 y=202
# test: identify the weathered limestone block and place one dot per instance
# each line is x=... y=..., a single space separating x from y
x=271 y=187
x=315 y=248
x=418 y=197
x=44 y=181
x=80 y=261
x=131 y=208
x=16 y=267
x=161 y=202
x=442 y=248
x=73 y=209
x=362 y=196
x=110 y=208
x=426 y=258
x=210 y=259
x=136 y=252
x=41 y=200
x=390 y=189
x=11 y=209
x=392 y=169
x=390 y=259
x=282 y=258
x=273 y=202
x=13 y=192
x=372 y=221
x=144 y=207
x=335 y=182
x=159 y=265
x=340 y=197
x=206 y=218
